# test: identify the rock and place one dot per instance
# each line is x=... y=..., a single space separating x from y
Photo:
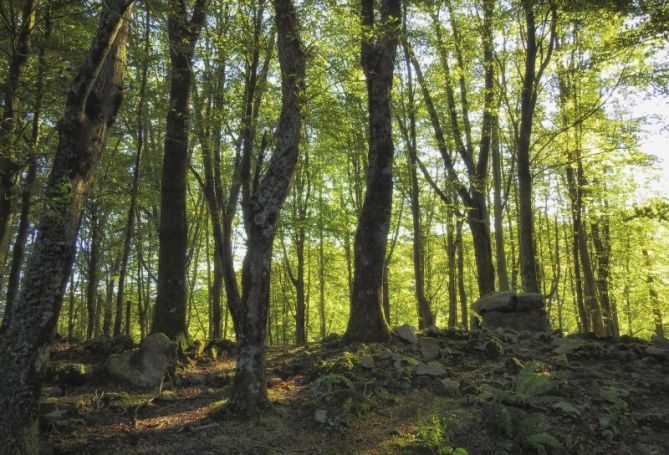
x=513 y=311
x=407 y=333
x=222 y=346
x=450 y=387
x=321 y=415
x=68 y=373
x=657 y=352
x=331 y=339
x=566 y=346
x=493 y=348
x=430 y=369
x=385 y=354
x=367 y=362
x=197 y=379
x=429 y=348
x=146 y=366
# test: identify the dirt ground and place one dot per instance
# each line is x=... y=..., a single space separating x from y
x=457 y=393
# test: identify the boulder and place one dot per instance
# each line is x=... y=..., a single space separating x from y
x=146 y=366
x=513 y=311
x=367 y=362
x=429 y=348
x=407 y=333
x=431 y=369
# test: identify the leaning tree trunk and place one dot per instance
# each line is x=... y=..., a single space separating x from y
x=261 y=214
x=379 y=43
x=92 y=103
x=170 y=310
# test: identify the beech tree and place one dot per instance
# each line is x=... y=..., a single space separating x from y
x=170 y=311
x=91 y=107
x=377 y=55
x=261 y=205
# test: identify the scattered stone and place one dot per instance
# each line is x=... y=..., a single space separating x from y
x=430 y=369
x=321 y=415
x=566 y=346
x=407 y=333
x=429 y=348
x=146 y=366
x=657 y=352
x=332 y=338
x=367 y=362
x=514 y=311
x=385 y=354
x=197 y=379
x=450 y=387
x=493 y=348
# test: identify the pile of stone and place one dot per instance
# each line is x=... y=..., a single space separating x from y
x=513 y=311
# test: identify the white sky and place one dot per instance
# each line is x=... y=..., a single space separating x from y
x=655 y=139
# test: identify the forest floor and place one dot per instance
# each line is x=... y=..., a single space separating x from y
x=442 y=392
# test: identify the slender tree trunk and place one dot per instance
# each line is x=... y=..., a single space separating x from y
x=654 y=297
x=425 y=315
x=321 y=266
x=134 y=190
x=170 y=310
x=500 y=254
x=93 y=261
x=10 y=168
x=531 y=79
x=24 y=221
x=379 y=43
x=464 y=318
x=451 y=252
x=261 y=214
x=92 y=103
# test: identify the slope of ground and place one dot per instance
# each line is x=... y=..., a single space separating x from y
x=442 y=392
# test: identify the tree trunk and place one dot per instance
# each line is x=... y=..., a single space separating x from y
x=500 y=255
x=92 y=103
x=92 y=285
x=425 y=315
x=654 y=297
x=261 y=214
x=170 y=310
x=24 y=221
x=321 y=266
x=134 y=190
x=464 y=318
x=10 y=168
x=531 y=79
x=379 y=43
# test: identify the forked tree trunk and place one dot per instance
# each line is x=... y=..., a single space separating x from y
x=92 y=103
x=261 y=214
x=379 y=43
x=170 y=310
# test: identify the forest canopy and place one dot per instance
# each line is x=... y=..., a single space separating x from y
x=274 y=172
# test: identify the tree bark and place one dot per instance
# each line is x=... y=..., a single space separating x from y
x=92 y=103
x=531 y=79
x=93 y=266
x=261 y=214
x=170 y=310
x=134 y=189
x=379 y=43
x=10 y=167
x=18 y=252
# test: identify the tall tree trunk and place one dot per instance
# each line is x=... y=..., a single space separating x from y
x=261 y=214
x=134 y=189
x=500 y=254
x=654 y=297
x=24 y=221
x=379 y=43
x=170 y=310
x=321 y=265
x=531 y=79
x=93 y=266
x=464 y=318
x=92 y=103
x=10 y=168
x=425 y=315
